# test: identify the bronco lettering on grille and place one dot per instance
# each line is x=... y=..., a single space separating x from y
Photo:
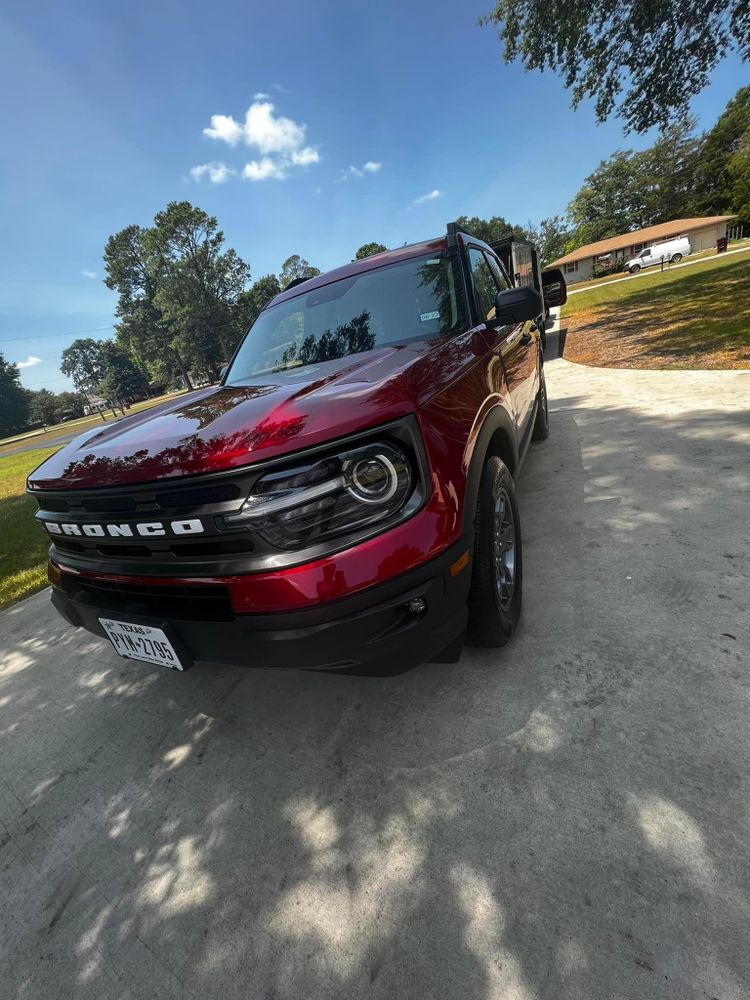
x=146 y=529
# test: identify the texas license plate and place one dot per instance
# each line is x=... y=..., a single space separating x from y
x=141 y=642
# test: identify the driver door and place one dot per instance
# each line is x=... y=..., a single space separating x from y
x=515 y=344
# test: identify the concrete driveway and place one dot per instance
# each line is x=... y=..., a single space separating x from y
x=567 y=819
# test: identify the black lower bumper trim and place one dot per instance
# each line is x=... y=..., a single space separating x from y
x=370 y=630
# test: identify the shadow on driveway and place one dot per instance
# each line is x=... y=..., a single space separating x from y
x=565 y=819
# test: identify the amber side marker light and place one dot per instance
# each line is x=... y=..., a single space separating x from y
x=54 y=574
x=460 y=564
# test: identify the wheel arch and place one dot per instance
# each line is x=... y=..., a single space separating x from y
x=497 y=436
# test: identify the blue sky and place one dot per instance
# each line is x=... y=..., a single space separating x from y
x=109 y=107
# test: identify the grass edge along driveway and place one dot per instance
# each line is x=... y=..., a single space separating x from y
x=23 y=545
x=684 y=319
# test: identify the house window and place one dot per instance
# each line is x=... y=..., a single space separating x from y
x=637 y=247
x=571 y=267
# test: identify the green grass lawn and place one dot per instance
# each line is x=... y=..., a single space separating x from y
x=23 y=545
x=690 y=318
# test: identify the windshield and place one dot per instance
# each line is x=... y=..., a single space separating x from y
x=415 y=299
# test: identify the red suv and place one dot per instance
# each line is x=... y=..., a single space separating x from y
x=345 y=498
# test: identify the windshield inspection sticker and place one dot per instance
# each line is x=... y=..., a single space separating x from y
x=426 y=317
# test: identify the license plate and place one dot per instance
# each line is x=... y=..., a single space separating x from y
x=141 y=642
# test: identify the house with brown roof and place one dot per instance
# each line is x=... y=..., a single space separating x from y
x=578 y=265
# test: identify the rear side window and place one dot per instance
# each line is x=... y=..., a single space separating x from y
x=485 y=286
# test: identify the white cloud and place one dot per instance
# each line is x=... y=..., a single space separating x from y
x=303 y=157
x=370 y=167
x=430 y=196
x=224 y=127
x=216 y=172
x=279 y=140
x=262 y=170
x=29 y=362
x=89 y=274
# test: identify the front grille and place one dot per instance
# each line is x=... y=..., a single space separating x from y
x=179 y=499
x=183 y=602
x=90 y=514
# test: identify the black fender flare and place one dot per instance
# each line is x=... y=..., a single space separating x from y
x=497 y=435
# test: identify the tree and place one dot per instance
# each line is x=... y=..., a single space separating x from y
x=43 y=406
x=489 y=229
x=641 y=59
x=13 y=399
x=123 y=382
x=631 y=190
x=295 y=267
x=739 y=173
x=199 y=281
x=69 y=404
x=82 y=362
x=551 y=238
x=713 y=180
x=368 y=249
x=252 y=302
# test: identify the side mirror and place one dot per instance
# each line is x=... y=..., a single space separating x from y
x=222 y=372
x=554 y=289
x=515 y=305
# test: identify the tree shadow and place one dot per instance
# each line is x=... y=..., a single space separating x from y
x=565 y=819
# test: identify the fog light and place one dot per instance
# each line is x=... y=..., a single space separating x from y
x=416 y=606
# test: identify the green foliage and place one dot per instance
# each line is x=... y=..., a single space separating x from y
x=13 y=399
x=82 y=362
x=124 y=382
x=739 y=173
x=199 y=283
x=43 y=406
x=368 y=249
x=642 y=60
x=551 y=238
x=489 y=229
x=178 y=292
x=69 y=405
x=295 y=267
x=714 y=177
x=632 y=190
x=252 y=302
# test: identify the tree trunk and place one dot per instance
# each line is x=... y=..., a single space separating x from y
x=183 y=369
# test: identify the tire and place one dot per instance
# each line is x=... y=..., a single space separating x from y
x=497 y=569
x=541 y=423
x=635 y=268
x=676 y=258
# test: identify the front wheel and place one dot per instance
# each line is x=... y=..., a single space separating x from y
x=635 y=268
x=676 y=258
x=495 y=596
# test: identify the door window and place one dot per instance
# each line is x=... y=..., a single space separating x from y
x=501 y=280
x=485 y=286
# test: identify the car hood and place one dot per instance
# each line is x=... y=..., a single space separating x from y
x=234 y=425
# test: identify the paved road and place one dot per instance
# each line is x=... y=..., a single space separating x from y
x=567 y=820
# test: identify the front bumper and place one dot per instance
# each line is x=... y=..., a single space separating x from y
x=371 y=630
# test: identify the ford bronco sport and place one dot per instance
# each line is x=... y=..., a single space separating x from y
x=345 y=498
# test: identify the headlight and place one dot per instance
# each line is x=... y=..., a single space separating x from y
x=313 y=501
